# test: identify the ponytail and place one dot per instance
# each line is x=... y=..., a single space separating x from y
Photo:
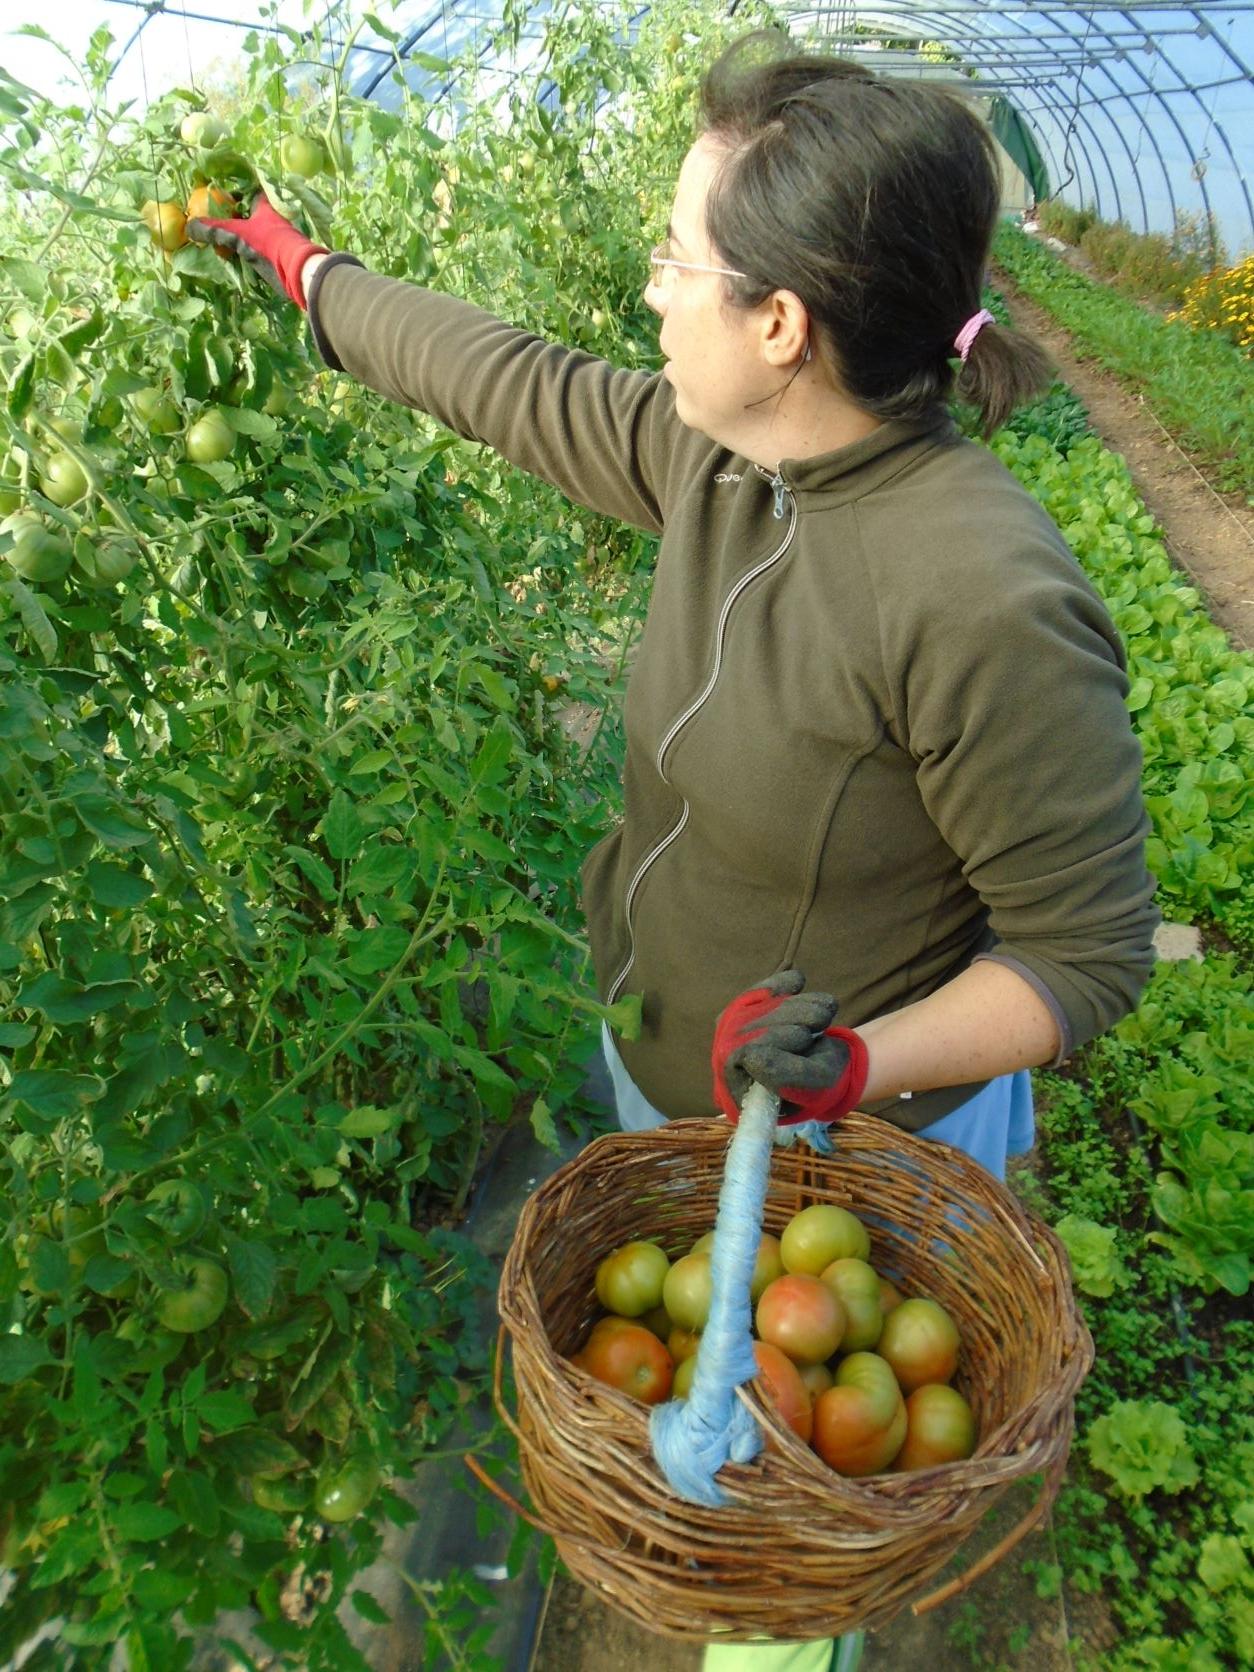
x=1002 y=371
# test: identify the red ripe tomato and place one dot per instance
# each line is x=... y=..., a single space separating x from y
x=632 y=1359
x=687 y=1291
x=629 y=1281
x=801 y=1316
x=920 y=1341
x=860 y=1422
x=940 y=1428
x=783 y=1388
x=613 y=1322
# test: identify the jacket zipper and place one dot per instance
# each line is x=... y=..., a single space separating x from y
x=782 y=493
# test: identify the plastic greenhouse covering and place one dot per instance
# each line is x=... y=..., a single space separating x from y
x=1143 y=112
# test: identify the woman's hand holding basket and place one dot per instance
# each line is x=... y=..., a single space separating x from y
x=781 y=1038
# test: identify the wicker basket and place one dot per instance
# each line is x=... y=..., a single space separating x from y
x=801 y=1552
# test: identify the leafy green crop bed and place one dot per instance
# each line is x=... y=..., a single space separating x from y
x=1145 y=1145
x=1197 y=381
x=1146 y=1168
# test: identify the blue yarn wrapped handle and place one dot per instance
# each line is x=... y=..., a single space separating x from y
x=692 y=1438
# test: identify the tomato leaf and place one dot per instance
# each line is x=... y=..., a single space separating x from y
x=342 y=828
x=21 y=1356
x=254 y=1272
x=33 y=616
x=67 y=1001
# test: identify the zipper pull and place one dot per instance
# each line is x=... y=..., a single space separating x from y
x=781 y=488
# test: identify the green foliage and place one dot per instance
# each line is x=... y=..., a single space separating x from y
x=1176 y=1061
x=1058 y=418
x=1156 y=1512
x=1091 y=1248
x=1060 y=220
x=1191 y=696
x=1142 y=1444
x=1197 y=382
x=290 y=829
x=1156 y=265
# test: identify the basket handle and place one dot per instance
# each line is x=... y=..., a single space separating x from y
x=990 y=1558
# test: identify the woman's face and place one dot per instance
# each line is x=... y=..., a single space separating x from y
x=712 y=355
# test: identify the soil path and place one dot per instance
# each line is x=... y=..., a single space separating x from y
x=1207 y=534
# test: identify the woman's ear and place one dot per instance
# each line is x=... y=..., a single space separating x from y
x=786 y=338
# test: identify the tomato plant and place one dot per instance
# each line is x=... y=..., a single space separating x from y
x=289 y=824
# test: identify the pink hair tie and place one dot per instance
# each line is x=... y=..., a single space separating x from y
x=970 y=331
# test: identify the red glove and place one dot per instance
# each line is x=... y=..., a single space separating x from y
x=782 y=1038
x=268 y=242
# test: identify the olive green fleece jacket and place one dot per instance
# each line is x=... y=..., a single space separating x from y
x=876 y=724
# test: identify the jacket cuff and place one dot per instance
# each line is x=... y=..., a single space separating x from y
x=340 y=258
x=1034 y=981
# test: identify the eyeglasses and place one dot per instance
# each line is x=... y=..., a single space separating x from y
x=660 y=259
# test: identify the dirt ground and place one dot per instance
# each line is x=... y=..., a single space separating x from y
x=1210 y=536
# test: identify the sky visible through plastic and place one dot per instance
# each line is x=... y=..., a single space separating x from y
x=1145 y=112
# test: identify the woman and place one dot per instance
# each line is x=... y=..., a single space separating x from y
x=876 y=726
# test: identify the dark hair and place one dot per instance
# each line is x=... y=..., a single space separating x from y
x=875 y=199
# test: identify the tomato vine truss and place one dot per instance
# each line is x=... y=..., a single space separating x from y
x=1143 y=111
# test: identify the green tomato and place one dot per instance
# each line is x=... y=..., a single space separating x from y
x=177 y=1208
x=199 y=1299
x=39 y=555
x=345 y=1489
x=21 y=322
x=302 y=154
x=210 y=439
x=277 y=401
x=629 y=1281
x=107 y=563
x=201 y=130
x=156 y=411
x=64 y=481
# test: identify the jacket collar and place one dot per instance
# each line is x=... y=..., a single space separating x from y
x=851 y=471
